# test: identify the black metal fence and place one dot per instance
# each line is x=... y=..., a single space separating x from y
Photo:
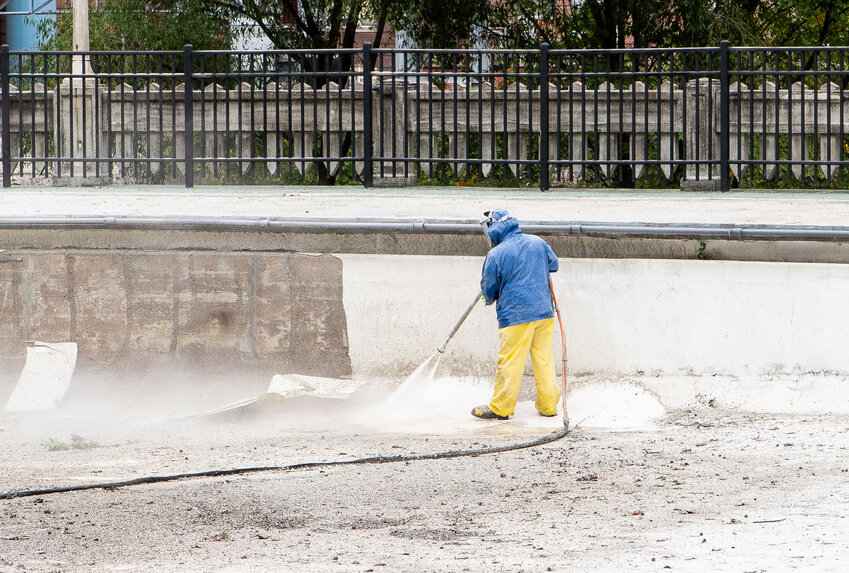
x=704 y=118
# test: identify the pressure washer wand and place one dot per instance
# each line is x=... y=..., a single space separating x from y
x=441 y=349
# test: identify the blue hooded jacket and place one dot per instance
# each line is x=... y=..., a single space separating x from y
x=515 y=274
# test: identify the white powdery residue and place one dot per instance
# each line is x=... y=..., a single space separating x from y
x=614 y=405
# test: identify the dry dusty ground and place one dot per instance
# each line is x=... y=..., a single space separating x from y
x=705 y=489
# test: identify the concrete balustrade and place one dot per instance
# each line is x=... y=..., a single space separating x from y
x=594 y=130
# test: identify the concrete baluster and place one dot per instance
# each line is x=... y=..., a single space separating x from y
x=487 y=152
x=461 y=151
x=457 y=125
x=608 y=140
x=517 y=148
x=358 y=119
x=271 y=150
x=153 y=143
x=798 y=141
x=553 y=121
x=332 y=148
x=829 y=102
x=738 y=142
x=487 y=129
x=701 y=142
x=769 y=126
x=332 y=139
x=272 y=134
x=214 y=125
x=127 y=128
x=576 y=106
x=359 y=147
x=43 y=116
x=638 y=146
x=428 y=148
x=304 y=142
x=517 y=127
x=14 y=143
x=668 y=134
x=243 y=126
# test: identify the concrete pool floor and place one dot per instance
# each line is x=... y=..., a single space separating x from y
x=700 y=488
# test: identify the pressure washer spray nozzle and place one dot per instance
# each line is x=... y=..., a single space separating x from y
x=441 y=349
x=566 y=422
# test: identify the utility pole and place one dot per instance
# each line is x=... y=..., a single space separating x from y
x=76 y=128
x=81 y=64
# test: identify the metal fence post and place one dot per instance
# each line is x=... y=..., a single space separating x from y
x=543 y=118
x=7 y=129
x=189 y=121
x=724 y=166
x=367 y=144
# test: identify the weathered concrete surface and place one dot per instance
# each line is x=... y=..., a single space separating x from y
x=128 y=310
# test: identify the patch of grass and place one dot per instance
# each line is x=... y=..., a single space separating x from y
x=80 y=443
x=77 y=443
x=54 y=445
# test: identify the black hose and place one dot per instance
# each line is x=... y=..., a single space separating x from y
x=553 y=437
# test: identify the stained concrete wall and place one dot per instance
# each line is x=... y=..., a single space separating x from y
x=130 y=310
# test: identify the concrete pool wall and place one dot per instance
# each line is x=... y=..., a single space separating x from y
x=767 y=336
x=764 y=335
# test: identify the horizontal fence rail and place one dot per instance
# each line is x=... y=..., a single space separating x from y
x=708 y=118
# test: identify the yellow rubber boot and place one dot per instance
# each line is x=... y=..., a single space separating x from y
x=542 y=358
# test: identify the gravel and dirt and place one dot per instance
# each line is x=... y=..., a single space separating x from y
x=700 y=488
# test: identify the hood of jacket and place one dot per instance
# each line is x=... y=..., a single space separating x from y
x=497 y=232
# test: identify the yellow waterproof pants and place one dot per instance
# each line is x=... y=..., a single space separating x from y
x=515 y=344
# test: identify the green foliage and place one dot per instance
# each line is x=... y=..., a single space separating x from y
x=141 y=25
x=54 y=445
x=318 y=24
x=443 y=24
x=612 y=24
x=802 y=22
x=80 y=443
x=77 y=443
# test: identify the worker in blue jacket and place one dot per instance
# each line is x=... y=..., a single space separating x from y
x=516 y=277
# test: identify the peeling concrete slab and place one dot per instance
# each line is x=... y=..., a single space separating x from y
x=45 y=378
